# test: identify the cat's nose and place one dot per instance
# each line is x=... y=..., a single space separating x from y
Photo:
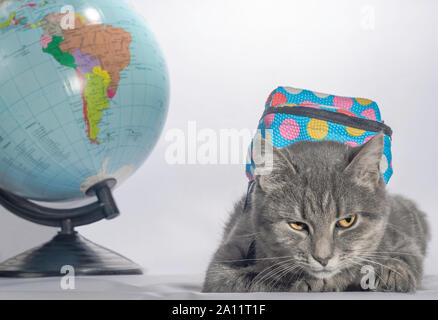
x=322 y=260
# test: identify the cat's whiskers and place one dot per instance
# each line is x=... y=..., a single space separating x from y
x=288 y=269
x=379 y=256
x=360 y=265
x=383 y=266
x=273 y=275
x=390 y=252
x=255 y=259
x=267 y=272
x=376 y=273
x=386 y=257
x=301 y=275
x=261 y=276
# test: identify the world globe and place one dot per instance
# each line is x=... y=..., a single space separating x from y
x=84 y=94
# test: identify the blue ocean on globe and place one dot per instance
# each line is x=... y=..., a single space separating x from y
x=84 y=94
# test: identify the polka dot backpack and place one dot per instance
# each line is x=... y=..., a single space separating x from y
x=293 y=115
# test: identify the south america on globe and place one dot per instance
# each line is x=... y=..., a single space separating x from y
x=84 y=94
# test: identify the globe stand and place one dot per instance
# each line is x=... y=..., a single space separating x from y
x=67 y=248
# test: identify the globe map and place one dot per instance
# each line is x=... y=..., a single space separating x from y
x=83 y=95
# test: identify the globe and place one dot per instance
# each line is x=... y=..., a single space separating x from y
x=83 y=95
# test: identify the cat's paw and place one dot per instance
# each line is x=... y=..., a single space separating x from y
x=396 y=278
x=307 y=285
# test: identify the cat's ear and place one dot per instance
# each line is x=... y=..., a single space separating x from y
x=364 y=166
x=272 y=165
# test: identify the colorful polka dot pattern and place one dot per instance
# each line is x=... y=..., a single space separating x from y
x=285 y=129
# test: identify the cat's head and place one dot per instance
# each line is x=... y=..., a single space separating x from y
x=322 y=203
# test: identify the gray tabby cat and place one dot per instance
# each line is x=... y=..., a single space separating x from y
x=321 y=221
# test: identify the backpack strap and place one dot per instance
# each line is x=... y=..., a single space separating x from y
x=251 y=251
x=246 y=206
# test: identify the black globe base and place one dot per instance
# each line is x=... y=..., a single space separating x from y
x=83 y=256
x=68 y=248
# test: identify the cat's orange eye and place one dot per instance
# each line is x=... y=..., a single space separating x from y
x=297 y=226
x=347 y=222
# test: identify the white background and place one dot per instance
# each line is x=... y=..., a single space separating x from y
x=224 y=58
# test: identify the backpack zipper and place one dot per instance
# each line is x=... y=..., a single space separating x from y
x=339 y=118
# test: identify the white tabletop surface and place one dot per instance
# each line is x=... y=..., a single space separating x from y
x=171 y=287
